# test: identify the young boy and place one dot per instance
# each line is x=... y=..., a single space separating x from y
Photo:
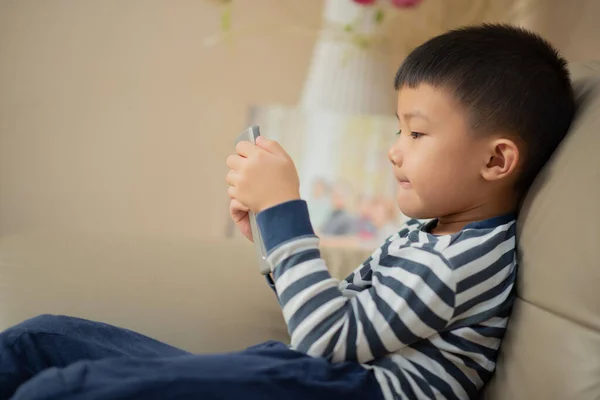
x=480 y=110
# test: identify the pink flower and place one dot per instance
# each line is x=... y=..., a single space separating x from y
x=405 y=3
x=365 y=2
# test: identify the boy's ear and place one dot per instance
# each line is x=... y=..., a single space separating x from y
x=502 y=160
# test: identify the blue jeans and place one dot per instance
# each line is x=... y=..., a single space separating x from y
x=55 y=357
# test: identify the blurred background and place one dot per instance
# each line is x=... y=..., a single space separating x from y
x=117 y=116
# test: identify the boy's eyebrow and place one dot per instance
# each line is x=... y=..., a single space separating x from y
x=414 y=114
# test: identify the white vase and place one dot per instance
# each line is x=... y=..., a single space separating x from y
x=344 y=80
x=343 y=77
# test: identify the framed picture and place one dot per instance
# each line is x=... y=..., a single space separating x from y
x=345 y=175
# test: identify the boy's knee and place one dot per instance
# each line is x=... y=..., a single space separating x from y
x=45 y=323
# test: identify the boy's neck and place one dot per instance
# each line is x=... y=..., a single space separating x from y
x=454 y=223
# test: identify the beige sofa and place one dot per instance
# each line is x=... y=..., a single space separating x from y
x=208 y=296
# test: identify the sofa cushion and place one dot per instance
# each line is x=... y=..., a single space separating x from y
x=552 y=347
x=200 y=295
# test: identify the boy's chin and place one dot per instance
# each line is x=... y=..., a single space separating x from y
x=414 y=212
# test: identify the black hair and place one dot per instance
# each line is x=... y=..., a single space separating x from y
x=508 y=80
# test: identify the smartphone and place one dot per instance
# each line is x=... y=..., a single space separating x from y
x=250 y=135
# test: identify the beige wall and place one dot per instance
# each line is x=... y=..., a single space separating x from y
x=115 y=117
x=572 y=26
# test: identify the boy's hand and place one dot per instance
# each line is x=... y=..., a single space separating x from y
x=262 y=175
x=239 y=215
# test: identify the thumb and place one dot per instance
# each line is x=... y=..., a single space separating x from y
x=270 y=145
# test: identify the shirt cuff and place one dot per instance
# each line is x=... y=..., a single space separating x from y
x=284 y=222
x=270 y=282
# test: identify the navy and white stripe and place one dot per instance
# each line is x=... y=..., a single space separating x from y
x=426 y=313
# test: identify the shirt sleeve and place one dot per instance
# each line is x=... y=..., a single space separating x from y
x=410 y=297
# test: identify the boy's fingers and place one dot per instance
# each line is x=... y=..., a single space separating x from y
x=245 y=149
x=234 y=162
x=231 y=191
x=271 y=146
x=236 y=206
x=232 y=178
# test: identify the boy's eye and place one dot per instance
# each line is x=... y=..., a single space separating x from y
x=414 y=135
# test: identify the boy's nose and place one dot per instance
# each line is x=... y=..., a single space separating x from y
x=394 y=156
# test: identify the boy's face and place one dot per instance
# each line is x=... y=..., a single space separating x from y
x=437 y=161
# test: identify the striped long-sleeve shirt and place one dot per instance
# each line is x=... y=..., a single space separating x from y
x=425 y=312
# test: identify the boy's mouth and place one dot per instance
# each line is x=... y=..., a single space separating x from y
x=403 y=182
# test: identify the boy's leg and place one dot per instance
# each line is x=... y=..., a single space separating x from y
x=56 y=341
x=266 y=373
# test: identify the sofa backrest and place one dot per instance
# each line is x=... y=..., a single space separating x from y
x=552 y=346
